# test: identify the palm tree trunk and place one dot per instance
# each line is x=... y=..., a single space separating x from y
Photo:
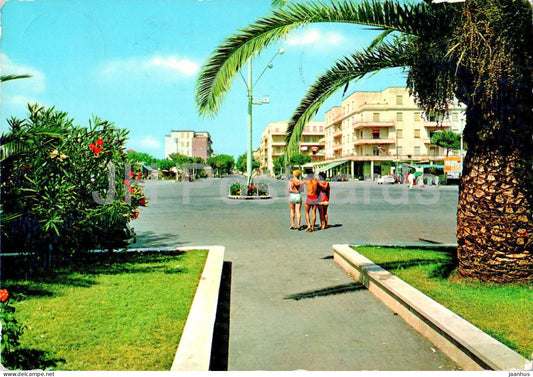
x=495 y=218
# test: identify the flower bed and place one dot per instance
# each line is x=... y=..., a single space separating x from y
x=240 y=190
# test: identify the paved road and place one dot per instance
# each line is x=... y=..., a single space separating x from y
x=291 y=306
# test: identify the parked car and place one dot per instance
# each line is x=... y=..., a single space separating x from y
x=386 y=179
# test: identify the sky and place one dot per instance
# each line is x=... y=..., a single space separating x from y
x=135 y=63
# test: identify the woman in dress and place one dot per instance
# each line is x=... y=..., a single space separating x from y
x=295 y=199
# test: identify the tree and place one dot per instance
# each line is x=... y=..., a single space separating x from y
x=299 y=159
x=241 y=164
x=221 y=164
x=140 y=158
x=478 y=52
x=180 y=159
x=166 y=164
x=447 y=139
x=279 y=165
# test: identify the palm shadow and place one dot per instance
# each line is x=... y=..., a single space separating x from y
x=330 y=291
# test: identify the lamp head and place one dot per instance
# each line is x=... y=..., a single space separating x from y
x=281 y=51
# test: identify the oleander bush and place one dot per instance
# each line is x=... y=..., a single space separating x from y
x=65 y=189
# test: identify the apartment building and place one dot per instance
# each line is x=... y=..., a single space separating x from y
x=189 y=143
x=273 y=144
x=374 y=131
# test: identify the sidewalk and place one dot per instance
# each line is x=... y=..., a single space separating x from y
x=291 y=306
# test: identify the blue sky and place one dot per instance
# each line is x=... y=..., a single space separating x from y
x=135 y=63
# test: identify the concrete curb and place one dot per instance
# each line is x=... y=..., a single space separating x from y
x=467 y=345
x=194 y=349
x=244 y=197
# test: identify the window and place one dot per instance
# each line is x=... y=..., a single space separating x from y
x=399 y=117
x=417 y=133
x=375 y=151
x=417 y=151
x=375 y=134
x=375 y=117
x=399 y=134
x=400 y=150
x=433 y=151
x=417 y=117
x=399 y=100
x=455 y=117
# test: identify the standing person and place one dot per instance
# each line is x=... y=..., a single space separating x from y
x=323 y=199
x=311 y=202
x=411 y=179
x=295 y=199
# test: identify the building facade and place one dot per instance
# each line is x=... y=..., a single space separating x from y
x=372 y=132
x=189 y=143
x=273 y=144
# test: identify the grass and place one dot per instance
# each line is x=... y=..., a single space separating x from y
x=503 y=311
x=120 y=311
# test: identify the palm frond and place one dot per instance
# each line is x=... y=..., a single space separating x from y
x=278 y=3
x=354 y=67
x=380 y=38
x=217 y=74
x=13 y=77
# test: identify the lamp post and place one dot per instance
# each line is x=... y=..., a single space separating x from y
x=251 y=101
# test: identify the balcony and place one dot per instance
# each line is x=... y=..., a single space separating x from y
x=381 y=124
x=372 y=141
x=438 y=125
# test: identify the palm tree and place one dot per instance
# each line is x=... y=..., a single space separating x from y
x=477 y=52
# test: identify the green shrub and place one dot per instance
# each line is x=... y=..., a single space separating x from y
x=11 y=332
x=65 y=188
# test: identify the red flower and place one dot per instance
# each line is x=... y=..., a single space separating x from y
x=136 y=214
x=99 y=142
x=126 y=182
x=130 y=189
x=142 y=202
x=97 y=150
x=130 y=173
x=138 y=175
x=4 y=295
x=92 y=147
x=22 y=168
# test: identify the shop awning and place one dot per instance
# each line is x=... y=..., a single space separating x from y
x=331 y=166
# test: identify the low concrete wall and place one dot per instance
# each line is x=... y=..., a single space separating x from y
x=194 y=350
x=468 y=346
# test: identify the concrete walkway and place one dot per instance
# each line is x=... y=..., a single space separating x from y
x=291 y=306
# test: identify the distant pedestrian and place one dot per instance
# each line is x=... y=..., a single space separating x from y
x=295 y=199
x=436 y=180
x=323 y=200
x=311 y=202
x=411 y=180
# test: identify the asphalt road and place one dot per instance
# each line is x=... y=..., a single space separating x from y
x=290 y=306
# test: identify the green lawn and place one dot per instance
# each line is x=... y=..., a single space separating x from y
x=120 y=311
x=502 y=311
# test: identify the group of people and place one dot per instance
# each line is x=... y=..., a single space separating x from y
x=317 y=197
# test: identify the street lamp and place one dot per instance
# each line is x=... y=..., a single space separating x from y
x=254 y=101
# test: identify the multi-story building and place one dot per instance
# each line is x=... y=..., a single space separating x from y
x=373 y=131
x=189 y=143
x=273 y=144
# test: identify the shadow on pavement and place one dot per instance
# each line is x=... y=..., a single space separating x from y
x=336 y=290
x=220 y=347
x=152 y=239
